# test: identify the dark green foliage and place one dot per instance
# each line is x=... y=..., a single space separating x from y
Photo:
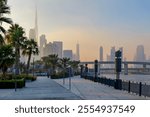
x=26 y=77
x=30 y=48
x=59 y=75
x=18 y=77
x=4 y=9
x=7 y=57
x=9 y=84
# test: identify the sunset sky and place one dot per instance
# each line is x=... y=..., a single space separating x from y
x=92 y=23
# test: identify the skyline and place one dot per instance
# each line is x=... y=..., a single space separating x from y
x=92 y=23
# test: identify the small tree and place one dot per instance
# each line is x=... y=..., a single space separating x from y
x=7 y=58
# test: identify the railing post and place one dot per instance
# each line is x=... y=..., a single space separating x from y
x=129 y=87
x=95 y=70
x=140 y=89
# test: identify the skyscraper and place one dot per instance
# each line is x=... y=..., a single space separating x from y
x=140 y=54
x=101 y=54
x=36 y=25
x=43 y=43
x=32 y=34
x=112 y=54
x=68 y=54
x=48 y=49
x=58 y=48
x=77 y=52
x=53 y=48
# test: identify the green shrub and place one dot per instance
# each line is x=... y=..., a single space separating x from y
x=59 y=75
x=11 y=76
x=26 y=77
x=9 y=84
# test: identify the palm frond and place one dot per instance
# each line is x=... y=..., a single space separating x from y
x=4 y=9
x=1 y=40
x=3 y=30
x=6 y=20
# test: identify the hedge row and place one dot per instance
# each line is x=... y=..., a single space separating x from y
x=11 y=76
x=9 y=84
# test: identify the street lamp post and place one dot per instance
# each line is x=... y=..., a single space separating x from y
x=118 y=62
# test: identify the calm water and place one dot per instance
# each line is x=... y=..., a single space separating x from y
x=135 y=78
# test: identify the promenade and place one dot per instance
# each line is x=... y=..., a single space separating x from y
x=90 y=90
x=42 y=89
x=47 y=89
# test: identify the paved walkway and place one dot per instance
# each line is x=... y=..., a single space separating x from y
x=47 y=89
x=41 y=89
x=95 y=91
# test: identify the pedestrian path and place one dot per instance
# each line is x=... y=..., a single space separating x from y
x=42 y=89
x=90 y=90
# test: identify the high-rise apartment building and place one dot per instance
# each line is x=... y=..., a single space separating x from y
x=32 y=34
x=58 y=48
x=140 y=54
x=36 y=26
x=53 y=48
x=43 y=43
x=68 y=54
x=48 y=49
x=112 y=54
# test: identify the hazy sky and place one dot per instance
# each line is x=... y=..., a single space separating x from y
x=92 y=23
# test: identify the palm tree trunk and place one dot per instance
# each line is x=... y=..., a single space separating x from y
x=17 y=52
x=28 y=63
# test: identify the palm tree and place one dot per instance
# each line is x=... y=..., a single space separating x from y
x=46 y=62
x=7 y=58
x=64 y=63
x=75 y=65
x=54 y=61
x=51 y=61
x=4 y=9
x=3 y=1
x=17 y=39
x=30 y=48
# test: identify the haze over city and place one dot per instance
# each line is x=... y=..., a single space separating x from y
x=92 y=23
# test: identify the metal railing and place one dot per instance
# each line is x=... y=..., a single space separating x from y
x=130 y=86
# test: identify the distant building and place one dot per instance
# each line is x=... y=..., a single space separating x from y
x=58 y=48
x=121 y=49
x=140 y=54
x=48 y=49
x=53 y=48
x=68 y=54
x=43 y=43
x=77 y=52
x=101 y=54
x=112 y=54
x=74 y=57
x=32 y=34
